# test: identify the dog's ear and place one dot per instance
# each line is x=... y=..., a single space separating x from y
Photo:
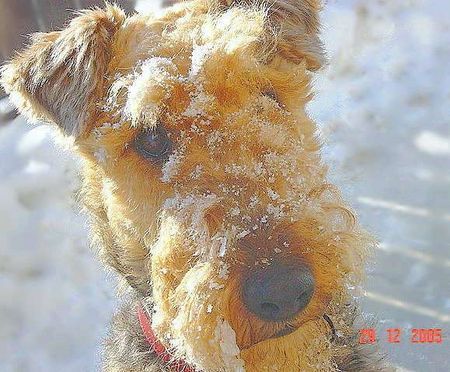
x=58 y=77
x=292 y=28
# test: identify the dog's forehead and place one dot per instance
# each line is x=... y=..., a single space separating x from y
x=225 y=112
x=211 y=85
x=190 y=63
x=175 y=33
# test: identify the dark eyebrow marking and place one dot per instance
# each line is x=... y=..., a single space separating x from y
x=272 y=95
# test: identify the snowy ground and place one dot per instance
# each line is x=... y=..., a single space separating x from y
x=384 y=109
x=384 y=105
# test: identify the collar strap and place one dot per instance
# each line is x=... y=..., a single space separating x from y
x=174 y=365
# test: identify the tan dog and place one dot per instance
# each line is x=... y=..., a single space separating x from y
x=204 y=183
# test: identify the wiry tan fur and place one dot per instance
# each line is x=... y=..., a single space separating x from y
x=244 y=185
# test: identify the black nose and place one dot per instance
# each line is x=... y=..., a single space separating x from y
x=279 y=291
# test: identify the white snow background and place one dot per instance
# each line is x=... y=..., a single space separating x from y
x=383 y=105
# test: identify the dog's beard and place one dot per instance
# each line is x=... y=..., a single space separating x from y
x=188 y=285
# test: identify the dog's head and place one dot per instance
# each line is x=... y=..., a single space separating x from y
x=202 y=171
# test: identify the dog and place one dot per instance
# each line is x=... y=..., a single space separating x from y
x=204 y=184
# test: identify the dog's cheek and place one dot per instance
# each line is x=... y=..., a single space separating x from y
x=124 y=200
x=169 y=259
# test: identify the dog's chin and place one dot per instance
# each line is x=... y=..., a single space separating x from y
x=288 y=349
x=284 y=332
x=276 y=336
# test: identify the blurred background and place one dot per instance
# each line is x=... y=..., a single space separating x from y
x=383 y=106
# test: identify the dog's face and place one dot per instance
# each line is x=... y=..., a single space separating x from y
x=202 y=173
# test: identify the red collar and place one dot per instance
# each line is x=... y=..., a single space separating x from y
x=175 y=365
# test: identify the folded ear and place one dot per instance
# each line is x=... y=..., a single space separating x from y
x=292 y=29
x=59 y=76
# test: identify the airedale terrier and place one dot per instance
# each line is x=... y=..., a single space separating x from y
x=204 y=183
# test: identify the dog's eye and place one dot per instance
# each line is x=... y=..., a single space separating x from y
x=153 y=144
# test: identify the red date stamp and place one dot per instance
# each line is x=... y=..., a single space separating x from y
x=395 y=335
x=367 y=336
x=426 y=336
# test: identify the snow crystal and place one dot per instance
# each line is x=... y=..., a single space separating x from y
x=223 y=245
x=98 y=132
x=259 y=168
x=171 y=166
x=200 y=53
x=197 y=105
x=223 y=270
x=242 y=234
x=105 y=126
x=215 y=286
x=101 y=155
x=226 y=337
x=235 y=211
x=246 y=218
x=197 y=172
x=272 y=194
x=276 y=211
x=214 y=139
x=254 y=200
